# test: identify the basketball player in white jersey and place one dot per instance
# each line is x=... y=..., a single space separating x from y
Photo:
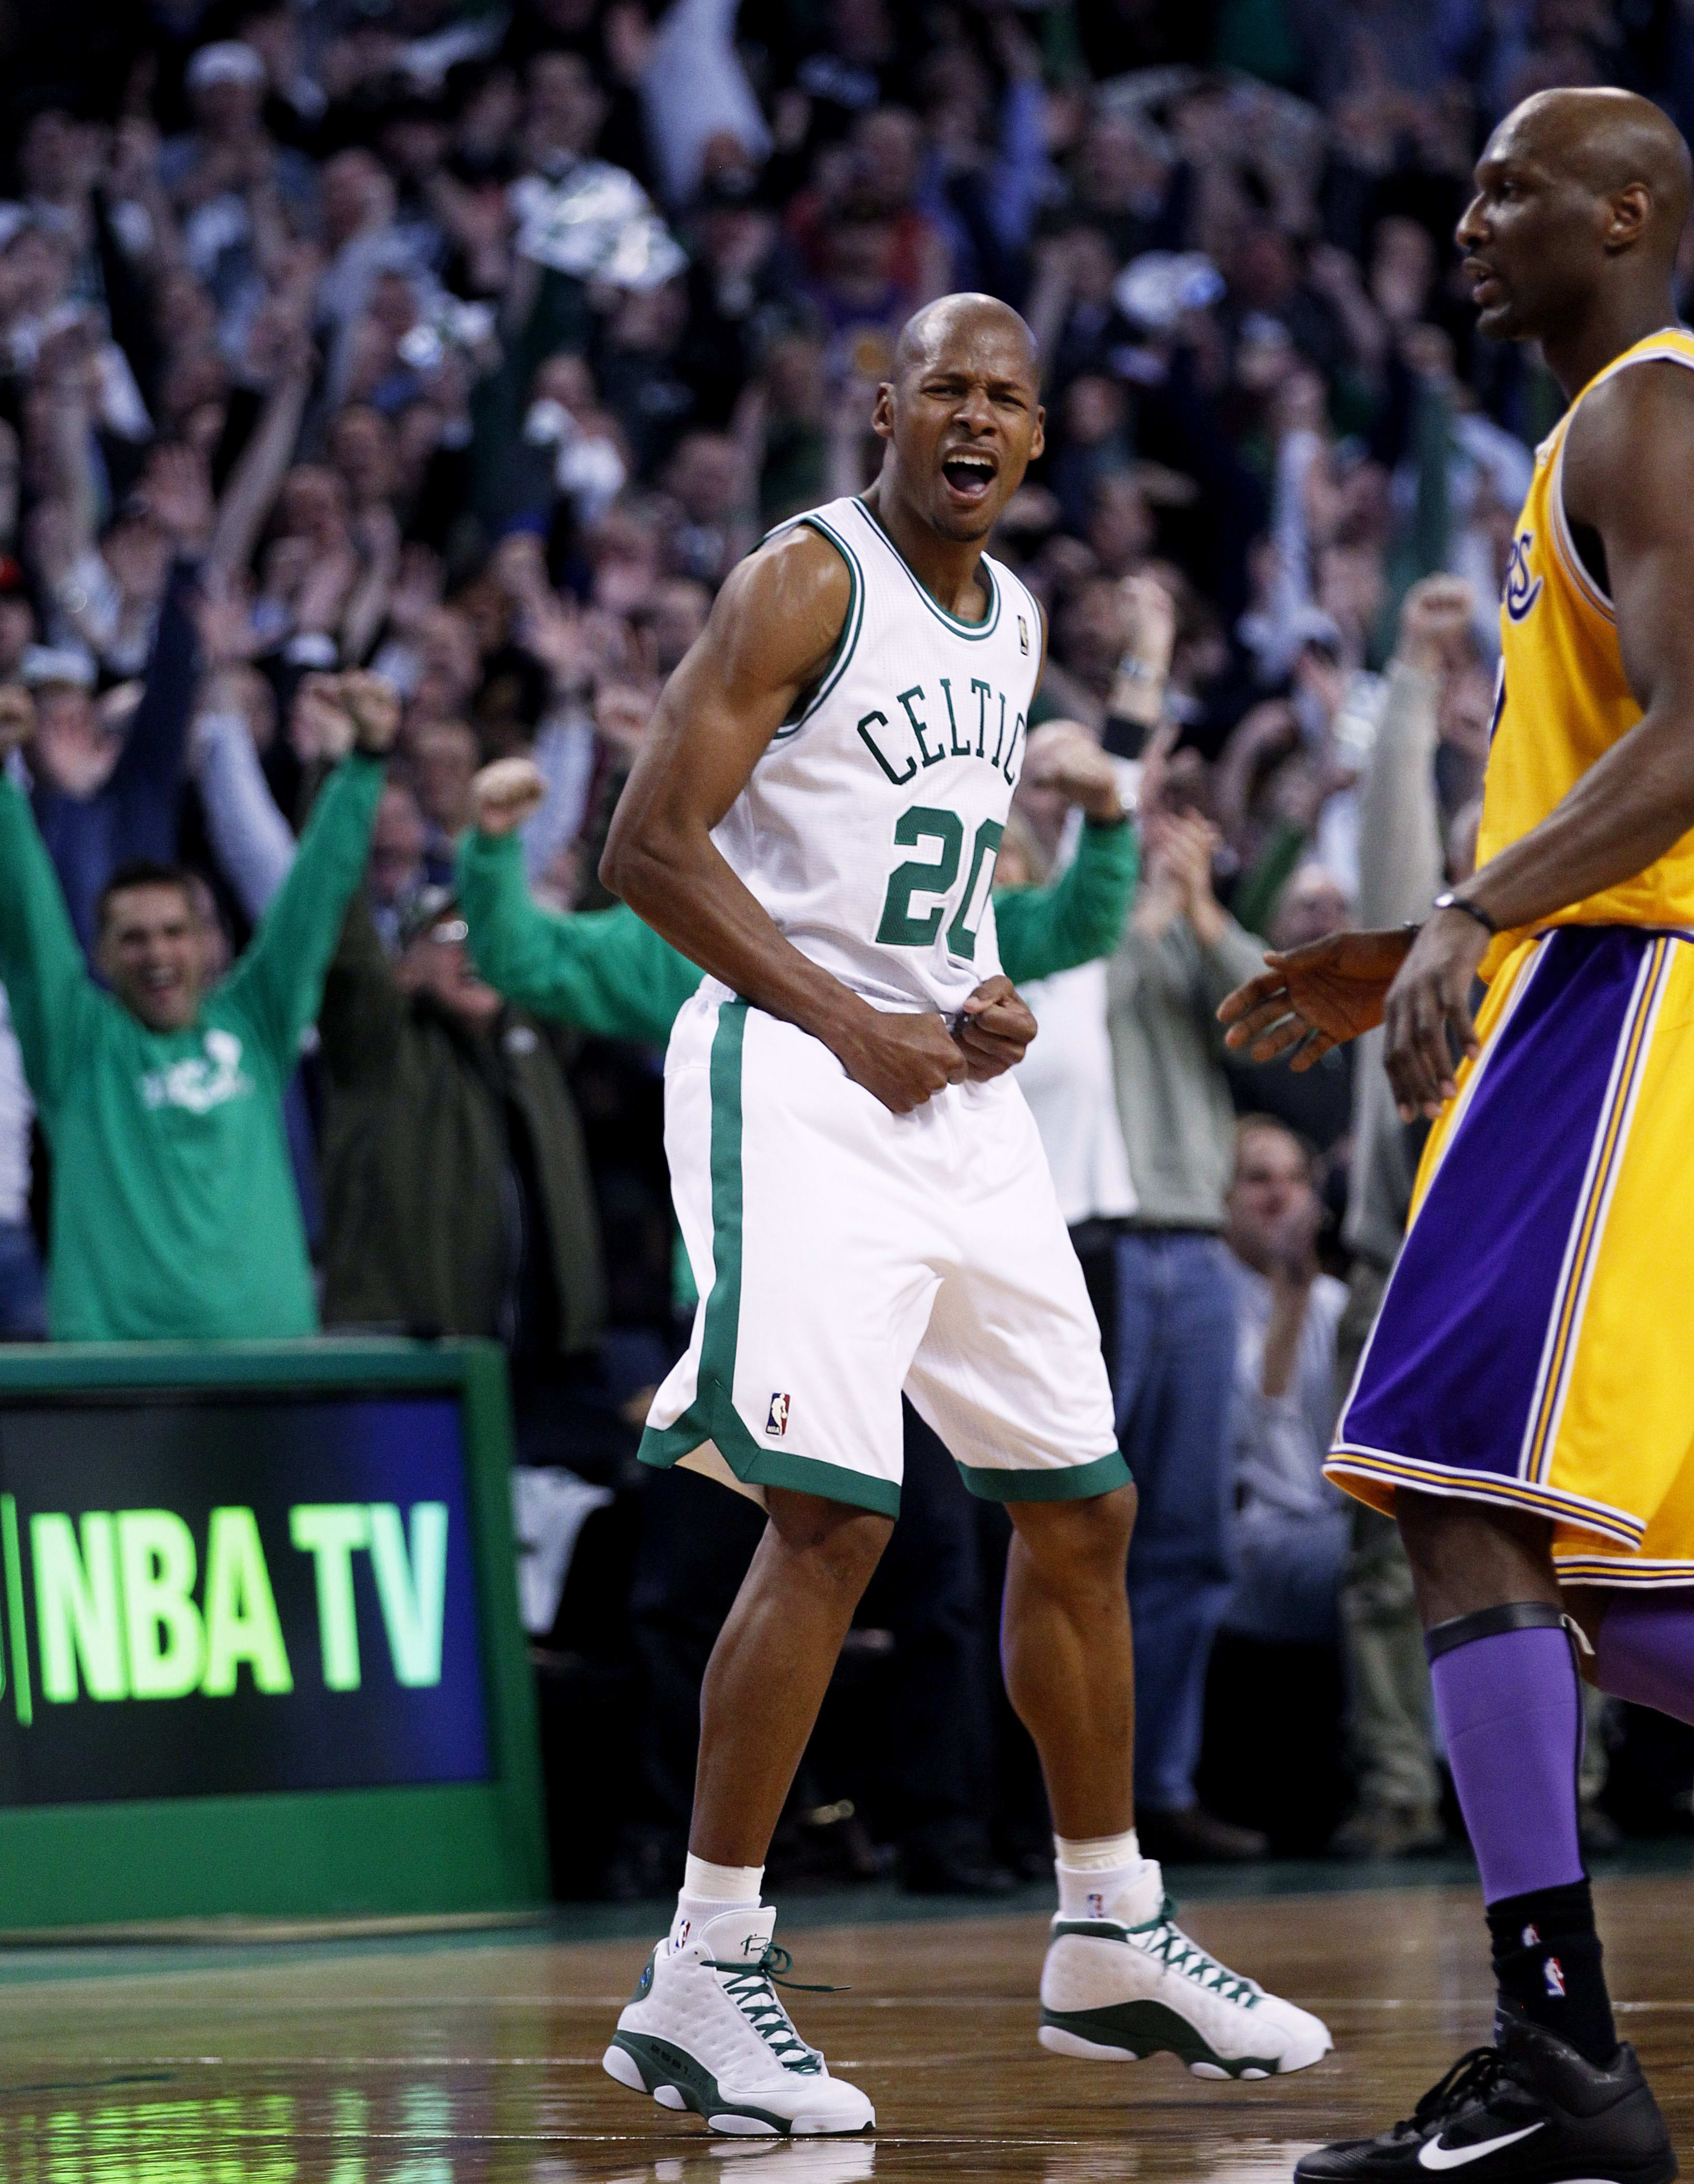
x=813 y=819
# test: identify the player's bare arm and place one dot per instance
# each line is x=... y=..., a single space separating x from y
x=1628 y=484
x=773 y=628
x=1628 y=488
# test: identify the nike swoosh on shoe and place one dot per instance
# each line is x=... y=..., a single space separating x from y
x=1432 y=2154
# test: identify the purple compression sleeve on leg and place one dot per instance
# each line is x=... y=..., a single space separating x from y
x=1512 y=1715
x=1645 y=1651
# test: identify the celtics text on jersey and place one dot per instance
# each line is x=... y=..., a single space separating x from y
x=870 y=827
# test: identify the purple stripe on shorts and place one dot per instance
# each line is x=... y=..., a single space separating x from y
x=1451 y=1372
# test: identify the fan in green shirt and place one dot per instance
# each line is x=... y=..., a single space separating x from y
x=174 y=1210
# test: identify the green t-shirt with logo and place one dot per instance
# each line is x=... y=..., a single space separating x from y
x=175 y=1210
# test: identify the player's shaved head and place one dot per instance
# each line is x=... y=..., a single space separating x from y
x=953 y=324
x=961 y=415
x=1608 y=140
x=1572 y=236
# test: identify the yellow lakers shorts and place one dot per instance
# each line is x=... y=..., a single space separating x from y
x=1535 y=1348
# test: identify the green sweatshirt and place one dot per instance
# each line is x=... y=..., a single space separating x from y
x=174 y=1210
x=1078 y=917
x=607 y=973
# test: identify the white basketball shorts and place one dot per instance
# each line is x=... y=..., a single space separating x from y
x=845 y=1254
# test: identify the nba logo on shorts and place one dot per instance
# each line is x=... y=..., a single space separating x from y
x=1023 y=636
x=1553 y=1972
x=777 y=1420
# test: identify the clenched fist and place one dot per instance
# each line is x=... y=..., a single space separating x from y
x=995 y=1026
x=504 y=795
x=1063 y=755
x=902 y=1057
x=373 y=705
x=1435 y=620
x=320 y=727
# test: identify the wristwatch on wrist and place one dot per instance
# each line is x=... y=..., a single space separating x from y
x=1450 y=899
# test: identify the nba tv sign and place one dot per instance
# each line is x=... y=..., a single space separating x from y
x=204 y=1597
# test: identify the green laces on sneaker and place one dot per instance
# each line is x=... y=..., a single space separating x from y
x=751 y=1987
x=1185 y=1958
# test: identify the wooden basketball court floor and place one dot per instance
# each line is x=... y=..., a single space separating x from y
x=436 y=2060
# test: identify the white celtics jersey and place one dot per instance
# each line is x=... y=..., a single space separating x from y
x=870 y=827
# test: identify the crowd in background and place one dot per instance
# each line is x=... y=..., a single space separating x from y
x=456 y=352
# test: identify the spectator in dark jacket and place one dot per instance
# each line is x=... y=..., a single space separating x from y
x=456 y=1189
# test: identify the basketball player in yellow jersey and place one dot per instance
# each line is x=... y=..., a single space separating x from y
x=1525 y=1405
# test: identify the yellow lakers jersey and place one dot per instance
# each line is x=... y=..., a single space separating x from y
x=1564 y=700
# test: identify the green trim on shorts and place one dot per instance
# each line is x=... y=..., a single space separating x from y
x=829 y=1482
x=713 y=1416
x=1086 y=1482
x=664 y=1446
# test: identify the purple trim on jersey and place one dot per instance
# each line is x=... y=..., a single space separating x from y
x=1451 y=1372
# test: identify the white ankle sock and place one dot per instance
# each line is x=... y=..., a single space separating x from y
x=1107 y=1877
x=708 y=1889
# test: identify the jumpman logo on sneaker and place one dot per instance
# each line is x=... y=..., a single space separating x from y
x=1432 y=2154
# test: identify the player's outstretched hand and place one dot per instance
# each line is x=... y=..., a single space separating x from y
x=504 y=795
x=902 y=1058
x=995 y=1026
x=1315 y=997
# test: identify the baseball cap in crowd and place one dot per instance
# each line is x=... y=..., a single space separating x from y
x=227 y=61
x=43 y=666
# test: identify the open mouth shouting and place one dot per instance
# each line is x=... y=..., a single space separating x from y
x=969 y=475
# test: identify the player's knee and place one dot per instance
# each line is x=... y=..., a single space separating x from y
x=846 y=1556
x=839 y=1546
x=1114 y=1521
x=1080 y=1540
x=1467 y=1556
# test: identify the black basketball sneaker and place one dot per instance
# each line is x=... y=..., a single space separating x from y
x=1528 y=2111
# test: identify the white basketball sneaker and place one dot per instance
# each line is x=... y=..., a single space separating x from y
x=704 y=2031
x=1117 y=1992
